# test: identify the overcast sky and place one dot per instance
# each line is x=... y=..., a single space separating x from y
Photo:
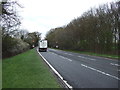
x=42 y=15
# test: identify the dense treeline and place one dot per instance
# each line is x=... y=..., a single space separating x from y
x=14 y=40
x=97 y=30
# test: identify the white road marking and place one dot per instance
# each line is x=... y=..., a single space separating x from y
x=93 y=59
x=115 y=64
x=79 y=56
x=55 y=71
x=103 y=57
x=65 y=58
x=100 y=72
x=68 y=54
x=108 y=58
x=53 y=53
x=118 y=70
x=87 y=58
x=65 y=53
x=61 y=56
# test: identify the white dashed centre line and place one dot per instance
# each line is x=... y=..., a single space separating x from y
x=100 y=71
x=62 y=57
x=65 y=58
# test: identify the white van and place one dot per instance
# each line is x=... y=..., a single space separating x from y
x=42 y=45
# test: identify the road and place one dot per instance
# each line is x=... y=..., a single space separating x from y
x=84 y=71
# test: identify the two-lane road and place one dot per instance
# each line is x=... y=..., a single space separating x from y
x=84 y=71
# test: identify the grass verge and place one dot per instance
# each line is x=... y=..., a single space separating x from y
x=27 y=70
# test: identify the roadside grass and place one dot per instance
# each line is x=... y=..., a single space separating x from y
x=27 y=70
x=94 y=54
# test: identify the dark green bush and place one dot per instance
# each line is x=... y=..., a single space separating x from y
x=12 y=46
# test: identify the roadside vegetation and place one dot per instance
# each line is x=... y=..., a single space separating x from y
x=27 y=70
x=14 y=40
x=96 y=31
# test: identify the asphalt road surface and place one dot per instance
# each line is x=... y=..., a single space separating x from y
x=84 y=71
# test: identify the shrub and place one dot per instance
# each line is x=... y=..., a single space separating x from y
x=12 y=46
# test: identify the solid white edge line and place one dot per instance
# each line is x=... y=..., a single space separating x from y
x=55 y=71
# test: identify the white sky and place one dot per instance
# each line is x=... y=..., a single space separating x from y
x=42 y=15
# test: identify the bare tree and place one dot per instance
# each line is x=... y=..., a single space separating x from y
x=9 y=18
